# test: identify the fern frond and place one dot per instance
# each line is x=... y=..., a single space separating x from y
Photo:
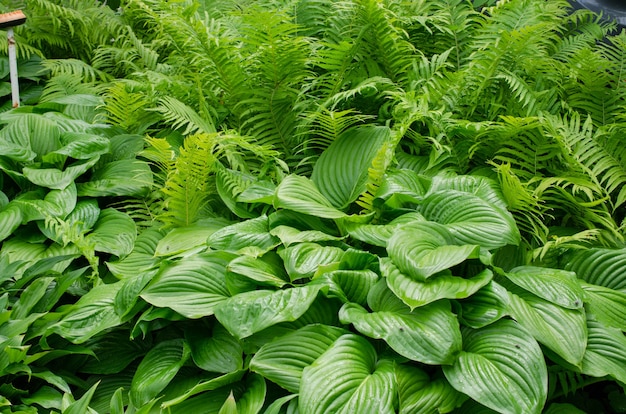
x=180 y=116
x=128 y=109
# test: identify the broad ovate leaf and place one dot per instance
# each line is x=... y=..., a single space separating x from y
x=127 y=177
x=607 y=306
x=185 y=239
x=341 y=172
x=216 y=350
x=10 y=220
x=283 y=359
x=422 y=249
x=502 y=367
x=418 y=393
x=554 y=285
x=192 y=287
x=429 y=334
x=157 y=369
x=300 y=194
x=606 y=352
x=441 y=286
x=250 y=237
x=114 y=232
x=348 y=378
x=304 y=259
x=600 y=266
x=265 y=270
x=55 y=178
x=351 y=285
x=487 y=305
x=250 y=312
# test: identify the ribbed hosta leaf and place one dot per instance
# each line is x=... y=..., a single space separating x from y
x=419 y=393
x=482 y=187
x=290 y=235
x=403 y=181
x=602 y=267
x=484 y=307
x=157 y=369
x=442 y=286
x=346 y=379
x=607 y=306
x=141 y=259
x=113 y=352
x=92 y=314
x=250 y=312
x=283 y=359
x=81 y=219
x=471 y=219
x=379 y=234
x=10 y=220
x=303 y=260
x=115 y=232
x=56 y=203
x=185 y=239
x=554 y=285
x=55 y=178
x=502 y=367
x=247 y=237
x=606 y=352
x=204 y=387
x=300 y=194
x=429 y=334
x=266 y=270
x=560 y=329
x=216 y=350
x=192 y=287
x=82 y=146
x=423 y=249
x=128 y=177
x=341 y=171
x=33 y=131
x=351 y=285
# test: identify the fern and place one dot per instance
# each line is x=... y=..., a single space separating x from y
x=127 y=108
x=182 y=117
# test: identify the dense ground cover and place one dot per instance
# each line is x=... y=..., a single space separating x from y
x=313 y=207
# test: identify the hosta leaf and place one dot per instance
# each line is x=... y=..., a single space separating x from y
x=81 y=406
x=423 y=249
x=250 y=312
x=253 y=397
x=192 y=287
x=341 y=172
x=483 y=187
x=351 y=285
x=470 y=219
x=283 y=359
x=348 y=378
x=266 y=270
x=185 y=239
x=16 y=152
x=34 y=132
x=276 y=406
x=379 y=234
x=606 y=352
x=304 y=259
x=290 y=235
x=10 y=220
x=81 y=220
x=204 y=386
x=419 y=393
x=115 y=232
x=429 y=334
x=562 y=330
x=157 y=369
x=30 y=296
x=82 y=146
x=602 y=267
x=92 y=314
x=403 y=181
x=127 y=297
x=299 y=194
x=554 y=285
x=215 y=352
x=442 y=286
x=250 y=237
x=56 y=203
x=128 y=177
x=607 y=306
x=55 y=178
x=502 y=367
x=113 y=352
x=484 y=307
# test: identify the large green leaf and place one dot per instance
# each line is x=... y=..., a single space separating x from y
x=483 y=187
x=192 y=287
x=502 y=367
x=266 y=270
x=348 y=378
x=554 y=285
x=55 y=178
x=471 y=219
x=602 y=267
x=606 y=352
x=607 y=306
x=10 y=220
x=423 y=249
x=250 y=237
x=441 y=286
x=283 y=359
x=114 y=232
x=418 y=393
x=304 y=259
x=127 y=177
x=250 y=312
x=216 y=350
x=202 y=387
x=82 y=146
x=300 y=194
x=34 y=132
x=379 y=234
x=341 y=172
x=351 y=285
x=429 y=334
x=185 y=239
x=484 y=307
x=157 y=369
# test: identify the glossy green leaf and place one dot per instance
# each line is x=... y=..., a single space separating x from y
x=607 y=306
x=290 y=235
x=253 y=398
x=192 y=287
x=300 y=194
x=276 y=407
x=250 y=312
x=55 y=178
x=115 y=232
x=203 y=387
x=283 y=359
x=113 y=352
x=216 y=350
x=185 y=239
x=30 y=296
x=606 y=352
x=554 y=285
x=442 y=286
x=348 y=378
x=10 y=220
x=266 y=270
x=379 y=234
x=157 y=369
x=423 y=249
x=304 y=259
x=502 y=367
x=81 y=405
x=82 y=146
x=418 y=393
x=602 y=267
x=482 y=187
x=429 y=334
x=351 y=285
x=128 y=177
x=341 y=172
x=33 y=131
x=484 y=307
x=250 y=237
x=403 y=181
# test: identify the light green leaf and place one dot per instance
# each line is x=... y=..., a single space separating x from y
x=215 y=352
x=115 y=232
x=348 y=378
x=283 y=359
x=250 y=237
x=598 y=266
x=442 y=286
x=483 y=187
x=379 y=234
x=290 y=235
x=157 y=369
x=267 y=270
x=127 y=177
x=82 y=146
x=55 y=178
x=418 y=393
x=10 y=220
x=405 y=182
x=484 y=307
x=230 y=406
x=606 y=352
x=204 y=386
x=554 y=285
x=429 y=334
x=607 y=306
x=250 y=312
x=351 y=285
x=502 y=367
x=184 y=239
x=300 y=194
x=33 y=131
x=253 y=397
x=304 y=259
x=82 y=405
x=30 y=296
x=276 y=406
x=192 y=287
x=341 y=172
x=423 y=249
